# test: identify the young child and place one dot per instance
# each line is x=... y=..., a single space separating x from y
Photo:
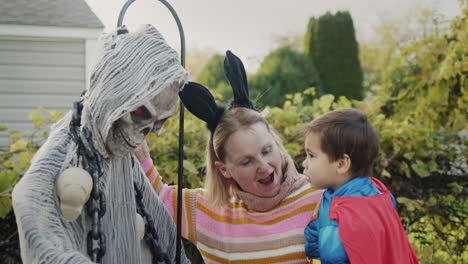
x=357 y=221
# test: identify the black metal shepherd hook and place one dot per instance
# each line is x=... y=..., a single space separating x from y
x=181 y=121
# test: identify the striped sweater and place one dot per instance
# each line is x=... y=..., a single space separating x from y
x=237 y=234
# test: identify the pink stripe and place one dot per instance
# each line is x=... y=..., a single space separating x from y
x=147 y=164
x=166 y=197
x=243 y=213
x=241 y=230
x=250 y=239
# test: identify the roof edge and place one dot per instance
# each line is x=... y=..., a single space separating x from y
x=49 y=31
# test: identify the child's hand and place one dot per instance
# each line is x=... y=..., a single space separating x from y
x=142 y=152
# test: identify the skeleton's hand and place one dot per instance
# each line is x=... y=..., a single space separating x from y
x=74 y=186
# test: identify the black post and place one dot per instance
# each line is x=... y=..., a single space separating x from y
x=181 y=123
x=181 y=138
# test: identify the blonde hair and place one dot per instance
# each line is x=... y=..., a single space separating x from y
x=218 y=188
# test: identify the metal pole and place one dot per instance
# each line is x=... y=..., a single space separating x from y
x=122 y=12
x=181 y=123
x=181 y=138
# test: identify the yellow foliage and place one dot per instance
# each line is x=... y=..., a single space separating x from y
x=18 y=145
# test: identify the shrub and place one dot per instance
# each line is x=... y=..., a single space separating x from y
x=331 y=44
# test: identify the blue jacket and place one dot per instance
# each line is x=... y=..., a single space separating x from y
x=322 y=240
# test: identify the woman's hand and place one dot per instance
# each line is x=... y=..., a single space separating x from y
x=142 y=152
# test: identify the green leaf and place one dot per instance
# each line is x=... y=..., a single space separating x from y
x=23 y=161
x=7 y=179
x=3 y=128
x=386 y=174
x=457 y=188
x=188 y=165
x=38 y=119
x=15 y=135
x=18 y=145
x=407 y=202
x=56 y=115
x=406 y=169
x=310 y=90
x=403 y=200
x=326 y=102
x=409 y=155
x=5 y=206
x=396 y=148
x=420 y=168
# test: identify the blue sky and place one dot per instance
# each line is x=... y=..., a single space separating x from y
x=248 y=26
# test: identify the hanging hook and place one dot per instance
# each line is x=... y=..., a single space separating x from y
x=181 y=122
x=122 y=12
x=176 y=17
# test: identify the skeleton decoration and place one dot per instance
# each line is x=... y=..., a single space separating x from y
x=130 y=130
x=133 y=90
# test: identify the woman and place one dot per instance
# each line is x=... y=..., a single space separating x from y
x=255 y=205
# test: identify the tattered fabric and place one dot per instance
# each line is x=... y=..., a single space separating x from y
x=131 y=69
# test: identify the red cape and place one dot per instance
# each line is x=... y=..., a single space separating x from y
x=381 y=239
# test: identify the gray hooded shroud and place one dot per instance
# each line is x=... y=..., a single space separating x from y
x=131 y=69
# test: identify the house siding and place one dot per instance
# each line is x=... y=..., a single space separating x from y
x=38 y=72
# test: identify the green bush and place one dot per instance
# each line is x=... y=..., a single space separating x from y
x=414 y=162
x=212 y=76
x=14 y=161
x=164 y=149
x=410 y=159
x=283 y=71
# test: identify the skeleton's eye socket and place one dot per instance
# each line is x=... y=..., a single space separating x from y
x=141 y=113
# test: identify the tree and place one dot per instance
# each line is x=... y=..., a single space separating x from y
x=212 y=76
x=393 y=34
x=292 y=40
x=426 y=81
x=331 y=44
x=196 y=59
x=283 y=71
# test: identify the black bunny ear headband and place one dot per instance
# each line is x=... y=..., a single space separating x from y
x=200 y=102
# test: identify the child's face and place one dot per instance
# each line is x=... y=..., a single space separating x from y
x=322 y=172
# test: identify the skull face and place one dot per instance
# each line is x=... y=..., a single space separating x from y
x=130 y=130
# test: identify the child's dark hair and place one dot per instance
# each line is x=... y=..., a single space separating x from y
x=347 y=131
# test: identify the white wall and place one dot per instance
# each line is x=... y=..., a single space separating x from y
x=41 y=66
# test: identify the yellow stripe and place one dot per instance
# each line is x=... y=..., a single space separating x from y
x=150 y=171
x=277 y=259
x=313 y=261
x=297 y=197
x=188 y=214
x=157 y=182
x=225 y=219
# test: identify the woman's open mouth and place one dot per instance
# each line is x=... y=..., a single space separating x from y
x=268 y=180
